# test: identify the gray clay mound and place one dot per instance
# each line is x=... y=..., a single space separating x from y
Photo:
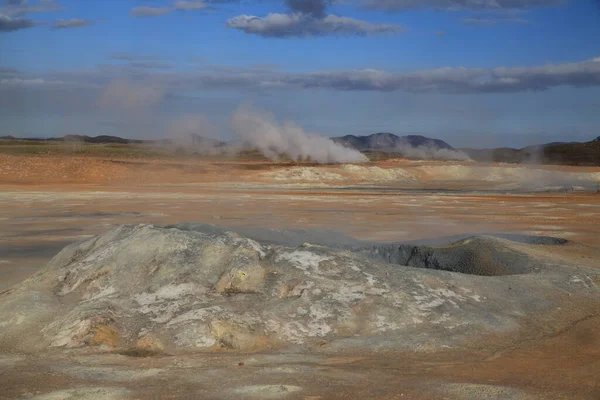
x=482 y=255
x=141 y=290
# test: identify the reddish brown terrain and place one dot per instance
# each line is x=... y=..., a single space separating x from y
x=50 y=201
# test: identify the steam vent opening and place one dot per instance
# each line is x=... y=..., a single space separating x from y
x=478 y=255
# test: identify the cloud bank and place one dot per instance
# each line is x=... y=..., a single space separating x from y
x=457 y=80
x=20 y=8
x=459 y=5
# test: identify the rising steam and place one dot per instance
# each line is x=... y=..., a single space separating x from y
x=430 y=153
x=261 y=130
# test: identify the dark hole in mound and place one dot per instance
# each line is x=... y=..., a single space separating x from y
x=139 y=353
x=530 y=239
x=486 y=256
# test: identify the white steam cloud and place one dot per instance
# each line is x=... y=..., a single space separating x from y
x=197 y=134
x=431 y=153
x=261 y=130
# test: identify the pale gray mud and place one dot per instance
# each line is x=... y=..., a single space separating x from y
x=193 y=311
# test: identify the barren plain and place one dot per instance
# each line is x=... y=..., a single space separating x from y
x=547 y=351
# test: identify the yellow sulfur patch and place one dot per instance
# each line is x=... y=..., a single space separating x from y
x=106 y=335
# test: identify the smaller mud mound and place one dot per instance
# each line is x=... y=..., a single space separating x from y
x=530 y=239
x=513 y=237
x=480 y=255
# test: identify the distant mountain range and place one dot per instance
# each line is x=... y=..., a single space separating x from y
x=85 y=139
x=193 y=138
x=410 y=146
x=571 y=153
x=384 y=145
x=389 y=142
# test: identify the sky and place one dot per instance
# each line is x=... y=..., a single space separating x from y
x=476 y=73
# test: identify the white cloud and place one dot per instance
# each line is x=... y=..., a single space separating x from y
x=149 y=11
x=20 y=8
x=189 y=5
x=10 y=24
x=71 y=23
x=303 y=25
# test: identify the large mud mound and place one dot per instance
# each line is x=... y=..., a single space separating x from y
x=144 y=289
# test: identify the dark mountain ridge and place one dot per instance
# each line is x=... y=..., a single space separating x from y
x=107 y=139
x=562 y=153
x=410 y=146
x=385 y=141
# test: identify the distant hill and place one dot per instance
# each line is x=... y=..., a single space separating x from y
x=383 y=145
x=106 y=139
x=96 y=139
x=79 y=138
x=572 y=153
x=384 y=141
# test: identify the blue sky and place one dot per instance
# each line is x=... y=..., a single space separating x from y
x=472 y=72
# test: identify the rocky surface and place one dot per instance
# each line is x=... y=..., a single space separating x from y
x=142 y=289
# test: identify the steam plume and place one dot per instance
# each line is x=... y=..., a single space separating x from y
x=273 y=138
x=430 y=153
x=196 y=133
